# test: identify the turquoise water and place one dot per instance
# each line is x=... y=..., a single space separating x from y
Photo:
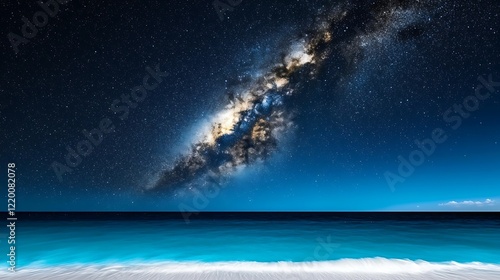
x=52 y=243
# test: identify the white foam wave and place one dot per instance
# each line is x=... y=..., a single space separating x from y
x=341 y=269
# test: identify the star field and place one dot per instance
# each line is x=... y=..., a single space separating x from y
x=382 y=79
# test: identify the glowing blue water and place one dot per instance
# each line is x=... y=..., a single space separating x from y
x=103 y=242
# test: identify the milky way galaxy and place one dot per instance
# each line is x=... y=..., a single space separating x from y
x=250 y=127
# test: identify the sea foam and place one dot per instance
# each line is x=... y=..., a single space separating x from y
x=367 y=268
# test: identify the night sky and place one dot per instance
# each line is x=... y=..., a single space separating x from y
x=364 y=80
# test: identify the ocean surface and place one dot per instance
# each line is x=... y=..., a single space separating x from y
x=340 y=245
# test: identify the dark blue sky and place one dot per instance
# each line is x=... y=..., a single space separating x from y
x=388 y=80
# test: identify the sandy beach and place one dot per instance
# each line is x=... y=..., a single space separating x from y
x=376 y=268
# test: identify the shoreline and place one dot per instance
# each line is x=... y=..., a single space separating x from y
x=370 y=268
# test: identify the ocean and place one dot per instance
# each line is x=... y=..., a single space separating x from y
x=307 y=246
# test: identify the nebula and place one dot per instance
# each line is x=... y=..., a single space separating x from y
x=250 y=127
